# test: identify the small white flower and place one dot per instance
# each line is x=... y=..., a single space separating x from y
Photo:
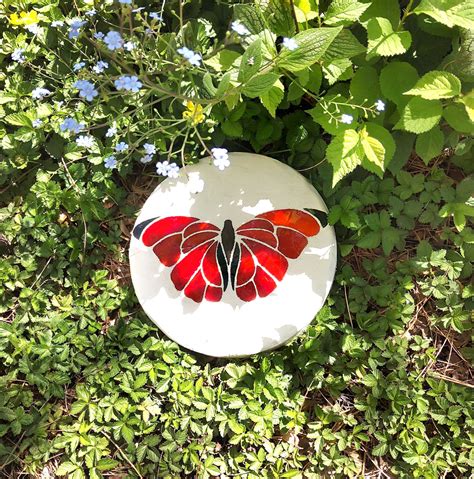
x=239 y=28
x=347 y=119
x=86 y=141
x=156 y=16
x=146 y=159
x=221 y=158
x=149 y=148
x=36 y=123
x=34 y=28
x=39 y=93
x=379 y=105
x=290 y=43
x=121 y=147
x=100 y=67
x=129 y=46
x=57 y=23
x=18 y=56
x=111 y=131
x=162 y=168
x=79 y=66
x=110 y=162
x=91 y=12
x=173 y=170
x=193 y=58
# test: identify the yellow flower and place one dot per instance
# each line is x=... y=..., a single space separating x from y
x=25 y=18
x=194 y=112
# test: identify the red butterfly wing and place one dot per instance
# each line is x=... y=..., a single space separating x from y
x=190 y=245
x=266 y=243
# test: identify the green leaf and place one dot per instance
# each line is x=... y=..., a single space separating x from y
x=127 y=433
x=389 y=9
x=280 y=17
x=18 y=119
x=385 y=137
x=344 y=153
x=232 y=128
x=380 y=449
x=140 y=381
x=344 y=46
x=449 y=12
x=65 y=468
x=457 y=118
x=374 y=153
x=250 y=61
x=340 y=69
x=312 y=44
x=106 y=464
x=273 y=97
x=435 y=85
x=344 y=12
x=420 y=115
x=259 y=84
x=251 y=16
x=395 y=79
x=384 y=41
x=429 y=144
x=365 y=85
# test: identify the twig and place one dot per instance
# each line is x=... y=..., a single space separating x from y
x=122 y=453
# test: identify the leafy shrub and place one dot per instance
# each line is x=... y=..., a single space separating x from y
x=91 y=98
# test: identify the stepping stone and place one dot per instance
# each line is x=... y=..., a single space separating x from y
x=235 y=262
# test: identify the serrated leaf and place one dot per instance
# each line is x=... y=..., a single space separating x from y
x=140 y=381
x=18 y=119
x=384 y=41
x=429 y=144
x=380 y=449
x=273 y=97
x=280 y=17
x=106 y=464
x=389 y=9
x=65 y=468
x=340 y=69
x=344 y=153
x=468 y=101
x=385 y=137
x=259 y=84
x=457 y=118
x=344 y=12
x=420 y=115
x=449 y=12
x=127 y=433
x=345 y=45
x=395 y=79
x=435 y=85
x=251 y=16
x=374 y=153
x=312 y=44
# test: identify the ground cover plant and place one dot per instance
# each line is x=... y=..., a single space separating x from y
x=372 y=101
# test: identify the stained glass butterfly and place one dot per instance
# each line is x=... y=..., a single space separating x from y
x=251 y=259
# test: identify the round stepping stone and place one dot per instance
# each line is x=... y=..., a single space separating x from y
x=234 y=262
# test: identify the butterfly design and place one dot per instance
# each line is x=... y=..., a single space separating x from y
x=251 y=259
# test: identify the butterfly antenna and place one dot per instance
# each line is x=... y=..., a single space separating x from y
x=138 y=230
x=320 y=215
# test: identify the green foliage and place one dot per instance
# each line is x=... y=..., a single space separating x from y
x=89 y=388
